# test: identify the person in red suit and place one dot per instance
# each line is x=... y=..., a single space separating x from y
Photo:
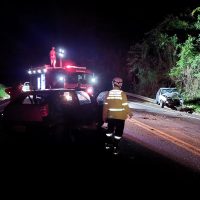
x=53 y=57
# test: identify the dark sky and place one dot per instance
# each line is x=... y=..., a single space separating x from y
x=30 y=28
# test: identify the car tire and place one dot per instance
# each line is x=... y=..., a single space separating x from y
x=162 y=104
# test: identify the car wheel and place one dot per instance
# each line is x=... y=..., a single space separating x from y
x=162 y=104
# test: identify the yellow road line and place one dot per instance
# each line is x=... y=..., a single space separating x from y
x=168 y=137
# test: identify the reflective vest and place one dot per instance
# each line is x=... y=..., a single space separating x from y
x=116 y=105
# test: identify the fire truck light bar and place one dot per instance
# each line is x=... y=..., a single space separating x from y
x=75 y=67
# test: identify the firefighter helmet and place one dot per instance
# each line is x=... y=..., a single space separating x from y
x=117 y=81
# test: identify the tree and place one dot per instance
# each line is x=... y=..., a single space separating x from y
x=148 y=61
x=168 y=56
x=186 y=72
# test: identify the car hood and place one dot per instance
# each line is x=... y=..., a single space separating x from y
x=173 y=95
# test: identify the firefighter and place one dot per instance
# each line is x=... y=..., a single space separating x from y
x=52 y=55
x=115 y=112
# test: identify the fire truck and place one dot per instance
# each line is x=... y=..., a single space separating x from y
x=69 y=76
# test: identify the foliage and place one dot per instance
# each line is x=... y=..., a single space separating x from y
x=193 y=104
x=169 y=55
x=179 y=24
x=186 y=72
x=148 y=62
x=3 y=94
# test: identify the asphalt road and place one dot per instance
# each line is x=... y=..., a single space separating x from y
x=84 y=162
x=84 y=158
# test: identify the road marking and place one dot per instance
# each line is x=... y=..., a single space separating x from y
x=168 y=137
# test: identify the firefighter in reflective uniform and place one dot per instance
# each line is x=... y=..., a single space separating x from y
x=115 y=112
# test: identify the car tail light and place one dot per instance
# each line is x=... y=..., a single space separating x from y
x=44 y=110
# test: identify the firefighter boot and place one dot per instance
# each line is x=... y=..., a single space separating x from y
x=108 y=141
x=116 y=145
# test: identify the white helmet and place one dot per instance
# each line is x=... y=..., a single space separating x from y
x=117 y=82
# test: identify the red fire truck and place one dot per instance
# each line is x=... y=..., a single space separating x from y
x=70 y=76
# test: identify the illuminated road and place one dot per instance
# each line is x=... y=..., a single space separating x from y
x=158 y=145
x=173 y=134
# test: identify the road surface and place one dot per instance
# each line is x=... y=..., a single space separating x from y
x=142 y=159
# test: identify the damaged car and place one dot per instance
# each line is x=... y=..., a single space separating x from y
x=169 y=97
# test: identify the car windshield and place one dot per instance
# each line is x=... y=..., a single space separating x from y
x=78 y=78
x=83 y=97
x=169 y=90
x=101 y=97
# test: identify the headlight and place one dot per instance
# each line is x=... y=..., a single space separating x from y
x=181 y=101
x=163 y=98
x=67 y=96
x=90 y=90
x=93 y=80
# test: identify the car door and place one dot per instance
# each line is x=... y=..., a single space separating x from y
x=86 y=108
x=23 y=110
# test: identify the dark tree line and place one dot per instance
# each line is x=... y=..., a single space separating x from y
x=168 y=56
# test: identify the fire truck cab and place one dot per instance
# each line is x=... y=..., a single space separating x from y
x=69 y=77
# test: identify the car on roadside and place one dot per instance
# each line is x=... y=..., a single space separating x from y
x=50 y=110
x=101 y=97
x=169 y=97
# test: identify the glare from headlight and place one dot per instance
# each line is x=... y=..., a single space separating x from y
x=93 y=80
x=90 y=90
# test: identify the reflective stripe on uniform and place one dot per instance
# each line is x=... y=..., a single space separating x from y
x=117 y=137
x=114 y=97
x=115 y=94
x=108 y=134
x=116 y=105
x=116 y=109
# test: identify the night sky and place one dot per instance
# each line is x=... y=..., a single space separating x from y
x=84 y=28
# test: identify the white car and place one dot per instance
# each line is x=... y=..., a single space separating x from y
x=169 y=97
x=26 y=87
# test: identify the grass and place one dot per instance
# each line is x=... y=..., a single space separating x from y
x=193 y=104
x=3 y=94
